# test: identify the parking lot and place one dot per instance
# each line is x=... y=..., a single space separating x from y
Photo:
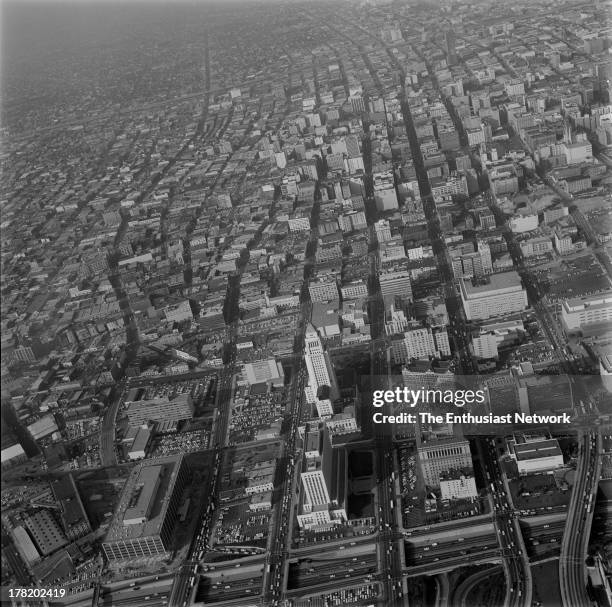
x=185 y=442
x=539 y=491
x=255 y=411
x=236 y=524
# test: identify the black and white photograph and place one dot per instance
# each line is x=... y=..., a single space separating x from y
x=306 y=303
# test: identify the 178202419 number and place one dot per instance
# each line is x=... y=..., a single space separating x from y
x=36 y=593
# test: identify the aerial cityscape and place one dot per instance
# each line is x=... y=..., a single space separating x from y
x=306 y=304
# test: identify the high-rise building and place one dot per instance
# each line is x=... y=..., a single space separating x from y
x=71 y=510
x=315 y=358
x=323 y=483
x=320 y=371
x=587 y=314
x=146 y=514
x=494 y=295
x=315 y=490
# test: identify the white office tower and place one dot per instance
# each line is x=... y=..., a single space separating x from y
x=315 y=490
x=315 y=359
x=323 y=488
x=320 y=372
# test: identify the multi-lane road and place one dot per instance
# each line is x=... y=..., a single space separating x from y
x=519 y=588
x=572 y=567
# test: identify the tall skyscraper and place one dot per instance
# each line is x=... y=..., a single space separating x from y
x=315 y=490
x=320 y=370
x=323 y=483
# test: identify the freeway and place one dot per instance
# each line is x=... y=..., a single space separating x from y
x=144 y=592
x=421 y=554
x=516 y=565
x=572 y=568
x=333 y=545
x=479 y=558
x=307 y=573
x=457 y=531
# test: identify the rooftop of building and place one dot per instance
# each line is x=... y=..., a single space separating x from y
x=589 y=301
x=537 y=449
x=455 y=474
x=494 y=282
x=439 y=443
x=145 y=498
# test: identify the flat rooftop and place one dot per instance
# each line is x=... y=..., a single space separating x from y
x=599 y=300
x=502 y=282
x=144 y=501
x=536 y=450
x=143 y=494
